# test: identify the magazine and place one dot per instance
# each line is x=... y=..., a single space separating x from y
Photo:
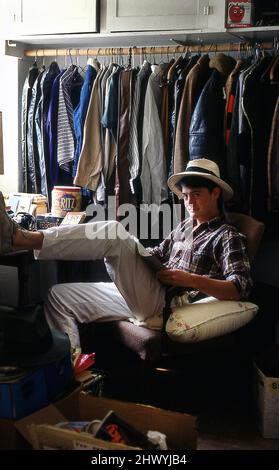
x=151 y=260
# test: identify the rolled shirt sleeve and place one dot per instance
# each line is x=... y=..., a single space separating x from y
x=234 y=262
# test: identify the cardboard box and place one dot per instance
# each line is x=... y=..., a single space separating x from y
x=11 y=439
x=239 y=14
x=267 y=398
x=38 y=428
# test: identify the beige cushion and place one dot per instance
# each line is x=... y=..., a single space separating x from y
x=208 y=318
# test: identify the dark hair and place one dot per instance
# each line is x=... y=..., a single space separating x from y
x=200 y=182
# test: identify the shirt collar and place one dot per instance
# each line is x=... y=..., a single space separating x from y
x=211 y=224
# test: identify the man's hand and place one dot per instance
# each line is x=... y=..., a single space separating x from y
x=175 y=277
x=220 y=289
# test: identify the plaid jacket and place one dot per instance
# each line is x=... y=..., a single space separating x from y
x=214 y=249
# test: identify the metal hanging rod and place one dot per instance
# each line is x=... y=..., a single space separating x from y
x=110 y=51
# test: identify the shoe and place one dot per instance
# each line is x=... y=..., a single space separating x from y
x=83 y=362
x=7 y=228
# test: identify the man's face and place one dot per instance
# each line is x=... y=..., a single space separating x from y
x=200 y=202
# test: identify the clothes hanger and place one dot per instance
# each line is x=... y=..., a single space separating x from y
x=133 y=58
x=65 y=61
x=42 y=66
x=168 y=57
x=188 y=53
x=154 y=66
x=174 y=66
x=161 y=58
x=72 y=66
x=152 y=50
x=93 y=62
x=144 y=57
x=89 y=60
x=257 y=52
x=79 y=67
x=101 y=57
x=200 y=44
x=35 y=63
x=110 y=62
x=56 y=55
x=128 y=65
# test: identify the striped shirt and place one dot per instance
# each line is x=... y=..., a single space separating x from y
x=65 y=136
x=214 y=249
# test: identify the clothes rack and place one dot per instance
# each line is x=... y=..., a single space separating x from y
x=144 y=120
x=110 y=51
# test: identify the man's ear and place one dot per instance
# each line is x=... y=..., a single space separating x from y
x=216 y=192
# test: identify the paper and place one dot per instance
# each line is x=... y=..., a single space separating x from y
x=153 y=262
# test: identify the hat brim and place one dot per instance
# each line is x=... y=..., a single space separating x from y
x=227 y=191
x=58 y=349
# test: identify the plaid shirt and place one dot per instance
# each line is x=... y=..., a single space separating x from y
x=214 y=249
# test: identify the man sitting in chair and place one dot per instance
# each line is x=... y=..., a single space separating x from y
x=213 y=264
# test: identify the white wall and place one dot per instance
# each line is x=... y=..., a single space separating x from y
x=9 y=108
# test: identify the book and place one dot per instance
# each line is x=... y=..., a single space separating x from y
x=73 y=218
x=115 y=429
x=151 y=260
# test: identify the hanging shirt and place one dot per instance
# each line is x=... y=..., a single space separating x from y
x=153 y=174
x=91 y=158
x=33 y=173
x=110 y=117
x=134 y=154
x=81 y=110
x=39 y=136
x=194 y=83
x=26 y=98
x=51 y=130
x=40 y=120
x=230 y=89
x=242 y=121
x=108 y=141
x=65 y=134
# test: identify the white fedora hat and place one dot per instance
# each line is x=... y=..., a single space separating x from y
x=203 y=168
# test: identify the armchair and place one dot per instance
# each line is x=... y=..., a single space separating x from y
x=154 y=347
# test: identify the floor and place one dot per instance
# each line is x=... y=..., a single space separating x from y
x=221 y=398
x=218 y=388
x=231 y=427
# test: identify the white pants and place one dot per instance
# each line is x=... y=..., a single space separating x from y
x=135 y=294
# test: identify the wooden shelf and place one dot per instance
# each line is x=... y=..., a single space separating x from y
x=143 y=39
